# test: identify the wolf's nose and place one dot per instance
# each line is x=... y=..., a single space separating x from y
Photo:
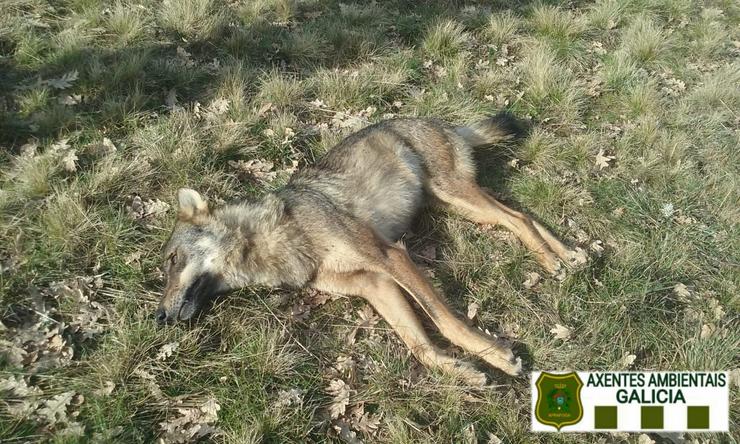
x=161 y=316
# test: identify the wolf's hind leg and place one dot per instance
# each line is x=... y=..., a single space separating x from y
x=475 y=204
x=398 y=264
x=387 y=299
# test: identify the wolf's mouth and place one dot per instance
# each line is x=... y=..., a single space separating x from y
x=202 y=289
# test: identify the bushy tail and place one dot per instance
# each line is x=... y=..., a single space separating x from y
x=502 y=126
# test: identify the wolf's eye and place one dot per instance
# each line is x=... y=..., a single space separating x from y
x=173 y=258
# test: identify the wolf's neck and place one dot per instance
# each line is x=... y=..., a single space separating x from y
x=274 y=252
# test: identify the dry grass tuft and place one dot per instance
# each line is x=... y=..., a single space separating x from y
x=445 y=39
x=192 y=19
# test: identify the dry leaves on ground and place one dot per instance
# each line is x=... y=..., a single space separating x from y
x=473 y=310
x=561 y=332
x=340 y=393
x=368 y=320
x=63 y=82
x=603 y=160
x=190 y=424
x=140 y=209
x=166 y=350
x=628 y=360
x=533 y=278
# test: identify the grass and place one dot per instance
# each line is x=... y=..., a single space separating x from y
x=185 y=90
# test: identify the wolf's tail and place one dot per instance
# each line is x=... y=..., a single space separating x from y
x=502 y=126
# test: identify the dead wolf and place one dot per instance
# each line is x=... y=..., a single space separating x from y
x=335 y=227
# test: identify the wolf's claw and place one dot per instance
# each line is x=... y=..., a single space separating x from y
x=577 y=257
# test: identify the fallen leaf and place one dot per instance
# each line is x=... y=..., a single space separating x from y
x=644 y=439
x=217 y=107
x=628 y=360
x=54 y=410
x=682 y=291
x=104 y=148
x=493 y=439
x=14 y=354
x=561 y=332
x=69 y=160
x=473 y=310
x=29 y=148
x=685 y=220
x=533 y=278
x=106 y=389
x=210 y=410
x=63 y=82
x=257 y=169
x=368 y=319
x=602 y=160
x=191 y=423
x=132 y=257
x=340 y=393
x=69 y=100
x=342 y=428
x=345 y=365
x=363 y=421
x=72 y=430
x=140 y=209
x=707 y=331
x=286 y=398
x=166 y=350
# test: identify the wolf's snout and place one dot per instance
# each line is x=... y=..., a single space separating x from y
x=161 y=316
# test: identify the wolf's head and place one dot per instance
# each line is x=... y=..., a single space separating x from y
x=195 y=259
x=213 y=252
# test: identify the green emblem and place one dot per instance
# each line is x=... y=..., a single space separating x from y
x=559 y=399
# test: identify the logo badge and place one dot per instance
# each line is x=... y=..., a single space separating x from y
x=559 y=399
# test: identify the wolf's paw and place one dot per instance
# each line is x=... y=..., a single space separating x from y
x=469 y=374
x=514 y=367
x=561 y=273
x=576 y=258
x=502 y=358
x=552 y=264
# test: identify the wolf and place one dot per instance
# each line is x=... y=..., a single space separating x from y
x=335 y=227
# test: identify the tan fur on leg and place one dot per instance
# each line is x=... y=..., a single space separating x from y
x=386 y=298
x=472 y=202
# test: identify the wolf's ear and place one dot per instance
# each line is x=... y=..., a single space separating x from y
x=191 y=204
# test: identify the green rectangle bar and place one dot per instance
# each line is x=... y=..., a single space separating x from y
x=697 y=417
x=651 y=417
x=605 y=417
